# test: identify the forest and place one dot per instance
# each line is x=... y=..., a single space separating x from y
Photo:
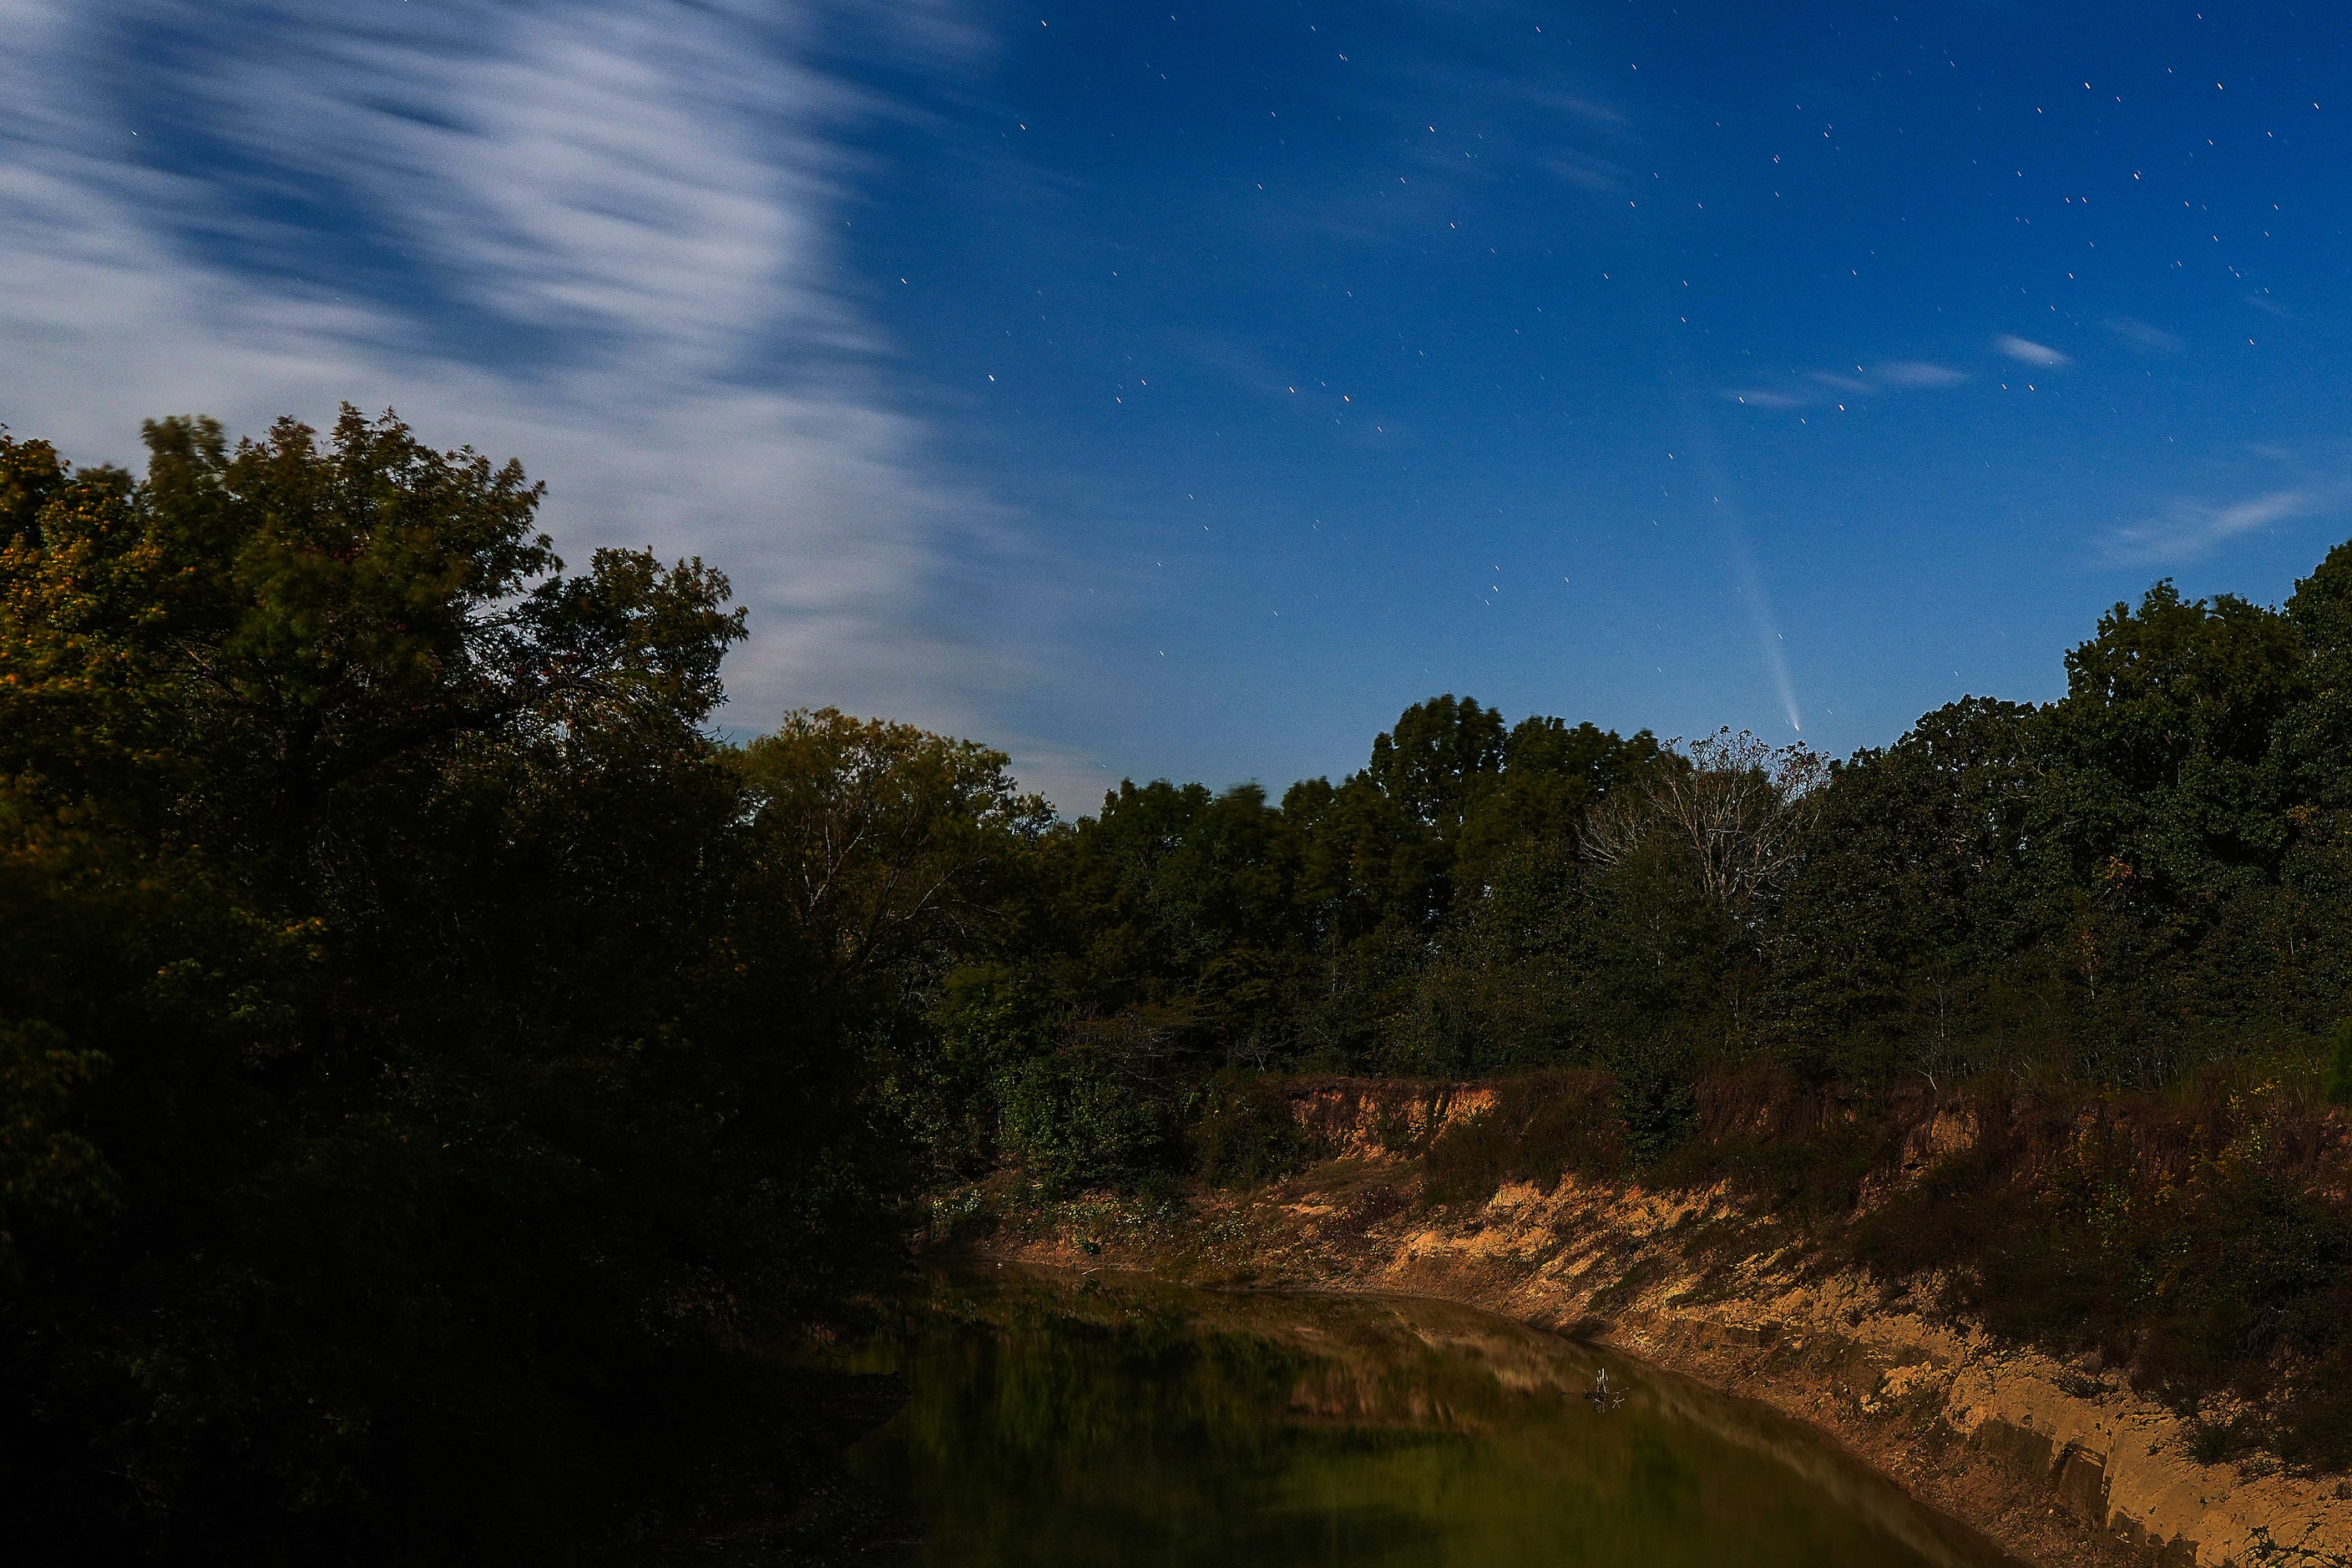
x=443 y=1064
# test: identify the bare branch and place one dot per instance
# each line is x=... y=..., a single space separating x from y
x=1737 y=804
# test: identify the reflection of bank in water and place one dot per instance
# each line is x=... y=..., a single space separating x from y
x=1140 y=1422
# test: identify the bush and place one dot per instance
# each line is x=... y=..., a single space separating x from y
x=2195 y=1243
x=1248 y=1132
x=1074 y=1120
x=1790 y=1147
x=1656 y=1101
x=2339 y=1065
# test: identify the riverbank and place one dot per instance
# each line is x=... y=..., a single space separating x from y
x=1067 y=1418
x=2062 y=1463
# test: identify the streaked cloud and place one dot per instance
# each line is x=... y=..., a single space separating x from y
x=602 y=239
x=1583 y=109
x=1578 y=169
x=2140 y=335
x=1888 y=375
x=2189 y=529
x=1912 y=373
x=2025 y=350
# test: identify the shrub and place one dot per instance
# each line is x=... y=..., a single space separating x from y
x=2339 y=1065
x=1249 y=1132
x=2197 y=1243
x=1792 y=1147
x=1656 y=1101
x=1073 y=1120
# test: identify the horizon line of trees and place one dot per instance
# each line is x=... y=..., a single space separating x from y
x=2116 y=888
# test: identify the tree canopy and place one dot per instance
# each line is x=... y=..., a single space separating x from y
x=416 y=1041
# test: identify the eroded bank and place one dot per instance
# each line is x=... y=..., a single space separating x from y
x=2060 y=1462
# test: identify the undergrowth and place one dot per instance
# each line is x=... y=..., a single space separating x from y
x=2203 y=1242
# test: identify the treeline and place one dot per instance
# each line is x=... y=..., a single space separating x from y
x=2097 y=950
x=438 y=1069
x=2116 y=888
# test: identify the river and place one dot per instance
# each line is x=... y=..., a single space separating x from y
x=1114 y=1421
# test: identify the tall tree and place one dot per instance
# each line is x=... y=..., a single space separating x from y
x=401 y=1072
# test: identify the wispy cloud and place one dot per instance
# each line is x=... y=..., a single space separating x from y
x=2025 y=350
x=599 y=238
x=1912 y=373
x=1888 y=375
x=1467 y=130
x=2189 y=529
x=1574 y=105
x=2140 y=335
x=1578 y=169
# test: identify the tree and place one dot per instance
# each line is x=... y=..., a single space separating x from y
x=1736 y=806
x=884 y=839
x=1553 y=775
x=402 y=1071
x=2162 y=757
x=1437 y=758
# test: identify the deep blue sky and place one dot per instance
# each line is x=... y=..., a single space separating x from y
x=1183 y=390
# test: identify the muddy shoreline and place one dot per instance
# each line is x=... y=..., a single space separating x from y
x=2061 y=1465
x=1375 y=1353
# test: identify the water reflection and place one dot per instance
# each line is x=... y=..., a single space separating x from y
x=1129 y=1422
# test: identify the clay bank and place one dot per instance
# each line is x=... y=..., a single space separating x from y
x=2061 y=1460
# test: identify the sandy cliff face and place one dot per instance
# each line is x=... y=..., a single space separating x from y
x=2062 y=1463
x=1936 y=1399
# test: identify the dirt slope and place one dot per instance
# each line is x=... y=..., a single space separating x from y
x=2062 y=1464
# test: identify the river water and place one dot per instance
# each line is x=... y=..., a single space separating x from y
x=1117 y=1421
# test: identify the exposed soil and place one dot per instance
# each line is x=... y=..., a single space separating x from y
x=2062 y=1464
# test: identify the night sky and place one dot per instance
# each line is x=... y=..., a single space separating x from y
x=1182 y=392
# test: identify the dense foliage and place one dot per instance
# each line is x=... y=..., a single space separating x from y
x=2118 y=890
x=2097 y=952
x=435 y=1063
x=429 y=1058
